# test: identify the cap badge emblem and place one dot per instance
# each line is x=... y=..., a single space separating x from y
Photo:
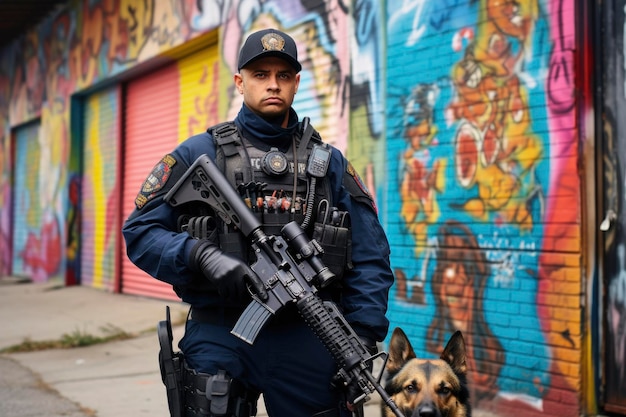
x=273 y=42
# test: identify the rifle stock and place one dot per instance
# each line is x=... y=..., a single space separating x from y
x=291 y=270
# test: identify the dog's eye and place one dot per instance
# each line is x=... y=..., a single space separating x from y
x=411 y=389
x=444 y=391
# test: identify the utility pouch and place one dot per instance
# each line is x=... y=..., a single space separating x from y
x=332 y=232
x=170 y=363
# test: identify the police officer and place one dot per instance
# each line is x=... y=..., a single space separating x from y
x=263 y=153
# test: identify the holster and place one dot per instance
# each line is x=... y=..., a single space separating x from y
x=171 y=364
x=217 y=395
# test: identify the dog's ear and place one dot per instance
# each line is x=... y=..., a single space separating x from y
x=400 y=351
x=455 y=354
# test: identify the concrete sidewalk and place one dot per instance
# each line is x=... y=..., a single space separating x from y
x=111 y=379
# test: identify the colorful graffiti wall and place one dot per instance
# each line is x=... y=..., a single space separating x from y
x=459 y=114
x=483 y=195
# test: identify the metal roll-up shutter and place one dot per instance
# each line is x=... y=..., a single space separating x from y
x=37 y=247
x=150 y=132
x=199 y=92
x=100 y=190
x=26 y=217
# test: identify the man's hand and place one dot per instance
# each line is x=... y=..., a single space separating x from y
x=230 y=275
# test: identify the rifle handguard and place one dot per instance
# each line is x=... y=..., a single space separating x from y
x=317 y=315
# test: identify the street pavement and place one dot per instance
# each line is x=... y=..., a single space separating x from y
x=112 y=379
x=23 y=394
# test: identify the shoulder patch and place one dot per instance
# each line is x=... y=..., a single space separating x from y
x=356 y=187
x=155 y=181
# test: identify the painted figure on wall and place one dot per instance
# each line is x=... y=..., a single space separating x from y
x=458 y=287
x=423 y=175
x=496 y=148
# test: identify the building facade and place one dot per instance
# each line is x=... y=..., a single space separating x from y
x=491 y=134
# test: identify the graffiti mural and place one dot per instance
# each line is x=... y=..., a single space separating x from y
x=612 y=226
x=470 y=165
x=462 y=124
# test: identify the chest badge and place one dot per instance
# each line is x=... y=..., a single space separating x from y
x=274 y=162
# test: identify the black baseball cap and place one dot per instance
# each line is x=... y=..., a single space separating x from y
x=269 y=42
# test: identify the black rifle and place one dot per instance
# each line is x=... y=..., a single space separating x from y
x=291 y=269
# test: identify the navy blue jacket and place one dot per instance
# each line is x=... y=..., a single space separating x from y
x=154 y=244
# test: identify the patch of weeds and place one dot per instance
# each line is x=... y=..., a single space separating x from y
x=77 y=338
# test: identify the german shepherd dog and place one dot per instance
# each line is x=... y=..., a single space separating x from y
x=427 y=387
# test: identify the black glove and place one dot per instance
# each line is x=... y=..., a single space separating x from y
x=229 y=274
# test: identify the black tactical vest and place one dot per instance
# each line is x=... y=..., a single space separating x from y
x=273 y=184
x=277 y=189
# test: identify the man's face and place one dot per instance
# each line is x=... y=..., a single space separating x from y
x=268 y=86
